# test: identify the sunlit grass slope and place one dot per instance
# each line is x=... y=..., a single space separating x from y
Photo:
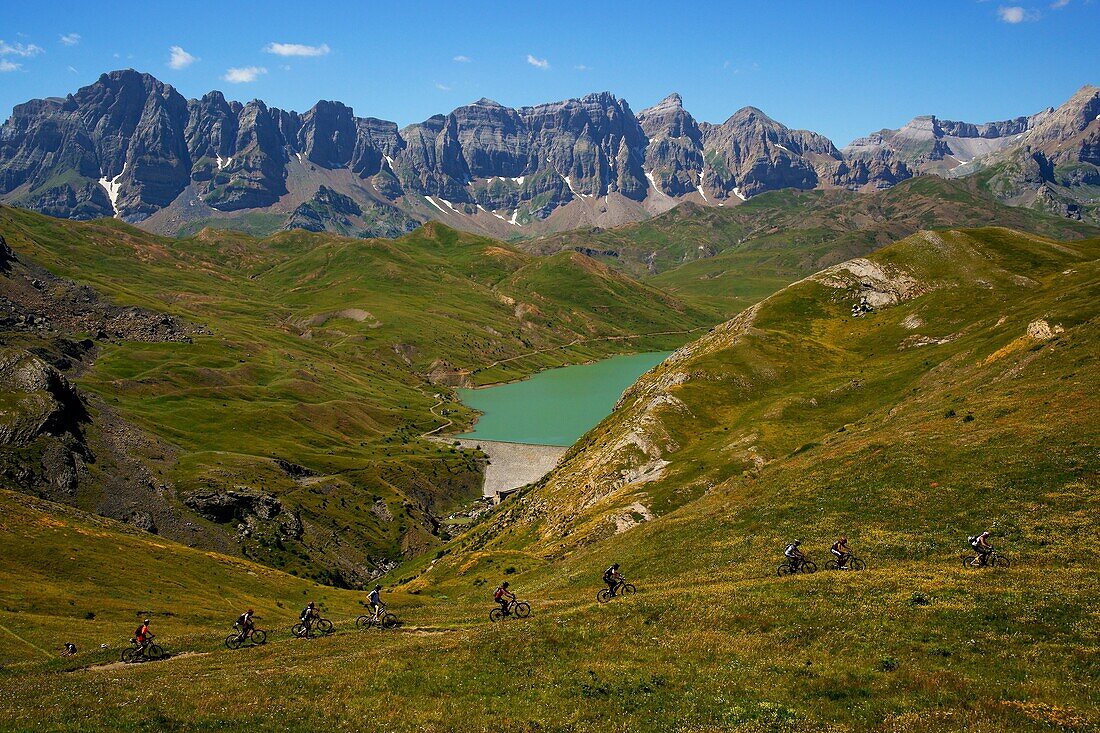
x=794 y=420
x=728 y=258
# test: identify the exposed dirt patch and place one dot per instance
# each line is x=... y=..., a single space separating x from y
x=115 y=666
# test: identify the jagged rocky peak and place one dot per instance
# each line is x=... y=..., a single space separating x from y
x=669 y=105
x=130 y=146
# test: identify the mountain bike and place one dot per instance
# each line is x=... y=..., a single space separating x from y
x=383 y=620
x=787 y=567
x=148 y=652
x=854 y=563
x=519 y=609
x=622 y=588
x=238 y=639
x=996 y=559
x=319 y=627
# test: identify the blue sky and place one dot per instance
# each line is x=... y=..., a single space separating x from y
x=842 y=69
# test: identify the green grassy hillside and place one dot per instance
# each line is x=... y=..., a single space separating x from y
x=963 y=401
x=330 y=353
x=729 y=258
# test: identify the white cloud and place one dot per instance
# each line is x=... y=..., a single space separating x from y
x=244 y=74
x=180 y=59
x=463 y=59
x=582 y=67
x=1015 y=14
x=443 y=87
x=1059 y=4
x=6 y=65
x=70 y=39
x=538 y=63
x=18 y=49
x=296 y=49
x=73 y=70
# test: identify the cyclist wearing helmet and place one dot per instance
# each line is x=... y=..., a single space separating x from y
x=612 y=577
x=842 y=553
x=794 y=554
x=503 y=596
x=244 y=625
x=143 y=635
x=980 y=545
x=376 y=604
x=308 y=614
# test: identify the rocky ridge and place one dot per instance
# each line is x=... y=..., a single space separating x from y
x=132 y=147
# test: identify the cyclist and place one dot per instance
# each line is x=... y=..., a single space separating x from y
x=307 y=615
x=612 y=577
x=980 y=545
x=842 y=553
x=502 y=596
x=244 y=624
x=143 y=635
x=376 y=604
x=70 y=649
x=794 y=554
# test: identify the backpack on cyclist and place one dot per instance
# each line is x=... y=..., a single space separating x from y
x=972 y=541
x=498 y=594
x=607 y=575
x=137 y=632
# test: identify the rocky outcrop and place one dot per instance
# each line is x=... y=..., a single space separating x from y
x=37 y=400
x=251 y=511
x=327 y=210
x=34 y=300
x=927 y=144
x=1055 y=165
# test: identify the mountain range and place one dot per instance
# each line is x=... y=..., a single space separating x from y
x=132 y=147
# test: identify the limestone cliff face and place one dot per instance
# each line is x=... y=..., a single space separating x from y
x=131 y=146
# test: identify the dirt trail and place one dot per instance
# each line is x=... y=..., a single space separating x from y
x=112 y=666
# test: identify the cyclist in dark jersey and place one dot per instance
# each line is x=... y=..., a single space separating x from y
x=612 y=577
x=842 y=553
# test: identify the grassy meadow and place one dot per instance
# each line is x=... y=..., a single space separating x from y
x=931 y=418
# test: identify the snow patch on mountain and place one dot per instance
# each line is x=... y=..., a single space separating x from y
x=112 y=187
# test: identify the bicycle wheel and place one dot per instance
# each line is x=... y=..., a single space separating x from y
x=783 y=569
x=324 y=626
x=522 y=609
x=967 y=561
x=808 y=566
x=832 y=565
x=856 y=564
x=604 y=595
x=259 y=636
x=389 y=621
x=628 y=589
x=1000 y=561
x=153 y=652
x=299 y=630
x=233 y=641
x=128 y=655
x=363 y=622
x=496 y=614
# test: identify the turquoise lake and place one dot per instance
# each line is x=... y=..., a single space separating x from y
x=558 y=406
